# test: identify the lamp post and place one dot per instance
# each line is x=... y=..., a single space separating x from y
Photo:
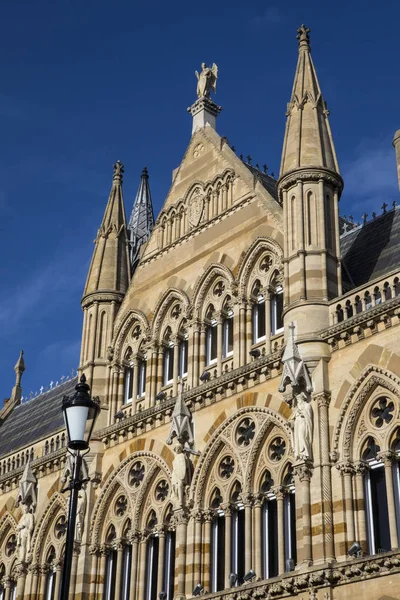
x=80 y=413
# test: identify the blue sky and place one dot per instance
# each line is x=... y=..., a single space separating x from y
x=83 y=84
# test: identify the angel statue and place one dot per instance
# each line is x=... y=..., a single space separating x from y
x=206 y=80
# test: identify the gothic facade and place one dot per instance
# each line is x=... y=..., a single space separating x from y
x=244 y=349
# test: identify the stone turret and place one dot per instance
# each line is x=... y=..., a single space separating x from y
x=106 y=284
x=309 y=188
x=141 y=221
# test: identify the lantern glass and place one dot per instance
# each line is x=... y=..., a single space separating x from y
x=80 y=414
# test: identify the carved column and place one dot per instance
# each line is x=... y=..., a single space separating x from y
x=360 y=468
x=160 y=367
x=323 y=401
x=141 y=583
x=257 y=507
x=228 y=527
x=242 y=333
x=176 y=367
x=197 y=547
x=161 y=558
x=57 y=585
x=206 y=551
x=267 y=307
x=194 y=356
x=114 y=403
x=247 y=527
x=104 y=551
x=35 y=570
x=44 y=569
x=94 y=552
x=180 y=552
x=7 y=588
x=303 y=472
x=134 y=564
x=219 y=344
x=347 y=470
x=249 y=331
x=279 y=492
x=118 y=570
x=387 y=459
x=202 y=349
x=21 y=572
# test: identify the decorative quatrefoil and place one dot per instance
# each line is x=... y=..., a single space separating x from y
x=136 y=474
x=277 y=449
x=381 y=412
x=226 y=467
x=162 y=490
x=245 y=432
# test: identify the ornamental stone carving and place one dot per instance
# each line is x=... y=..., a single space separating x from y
x=196 y=207
x=24 y=533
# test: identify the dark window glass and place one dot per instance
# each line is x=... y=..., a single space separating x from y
x=269 y=537
x=128 y=385
x=227 y=336
x=290 y=531
x=276 y=312
x=126 y=572
x=379 y=517
x=111 y=564
x=258 y=320
x=151 y=568
x=168 y=365
x=169 y=565
x=218 y=554
x=183 y=357
x=211 y=343
x=141 y=378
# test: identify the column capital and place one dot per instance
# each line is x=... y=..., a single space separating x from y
x=279 y=491
x=104 y=550
x=34 y=568
x=197 y=514
x=322 y=398
x=387 y=457
x=303 y=471
x=227 y=508
x=208 y=516
x=345 y=467
x=21 y=569
x=360 y=467
x=94 y=549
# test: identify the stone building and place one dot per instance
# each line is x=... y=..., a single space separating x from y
x=244 y=347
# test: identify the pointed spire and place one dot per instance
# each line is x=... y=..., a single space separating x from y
x=109 y=269
x=308 y=139
x=19 y=368
x=27 y=488
x=141 y=222
x=181 y=424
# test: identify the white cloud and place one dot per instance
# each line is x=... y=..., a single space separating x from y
x=370 y=178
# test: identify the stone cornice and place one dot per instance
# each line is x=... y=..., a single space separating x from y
x=310 y=173
x=38 y=465
x=101 y=296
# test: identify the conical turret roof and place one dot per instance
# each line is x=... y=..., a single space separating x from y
x=109 y=270
x=141 y=221
x=308 y=139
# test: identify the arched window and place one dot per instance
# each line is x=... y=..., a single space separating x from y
x=111 y=565
x=376 y=505
x=141 y=366
x=358 y=304
x=289 y=507
x=217 y=544
x=51 y=575
x=269 y=532
x=277 y=310
x=395 y=447
x=258 y=313
x=183 y=355
x=367 y=300
x=211 y=337
x=387 y=291
x=377 y=295
x=227 y=333
x=168 y=367
x=152 y=552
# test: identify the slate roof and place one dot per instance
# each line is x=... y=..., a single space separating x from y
x=35 y=419
x=268 y=182
x=372 y=249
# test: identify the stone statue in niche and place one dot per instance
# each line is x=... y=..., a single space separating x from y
x=80 y=514
x=182 y=470
x=302 y=424
x=206 y=80
x=24 y=533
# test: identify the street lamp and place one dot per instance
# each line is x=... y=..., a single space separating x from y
x=80 y=413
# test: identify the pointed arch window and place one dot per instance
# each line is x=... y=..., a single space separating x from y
x=227 y=334
x=376 y=505
x=289 y=521
x=152 y=567
x=211 y=337
x=237 y=533
x=51 y=575
x=269 y=524
x=396 y=476
x=111 y=565
x=128 y=385
x=277 y=310
x=183 y=356
x=141 y=366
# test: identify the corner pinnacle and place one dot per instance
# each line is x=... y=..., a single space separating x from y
x=118 y=171
x=303 y=37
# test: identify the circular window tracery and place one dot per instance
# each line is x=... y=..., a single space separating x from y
x=265 y=263
x=121 y=505
x=219 y=289
x=136 y=474
x=226 y=467
x=382 y=411
x=245 y=432
x=277 y=449
x=60 y=527
x=162 y=490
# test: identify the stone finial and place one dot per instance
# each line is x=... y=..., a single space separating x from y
x=118 y=171
x=27 y=488
x=181 y=425
x=294 y=369
x=19 y=368
x=396 y=145
x=303 y=37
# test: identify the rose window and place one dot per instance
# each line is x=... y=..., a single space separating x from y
x=265 y=264
x=162 y=490
x=266 y=483
x=219 y=289
x=277 y=449
x=121 y=506
x=11 y=545
x=136 y=474
x=245 y=432
x=60 y=527
x=382 y=412
x=226 y=467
